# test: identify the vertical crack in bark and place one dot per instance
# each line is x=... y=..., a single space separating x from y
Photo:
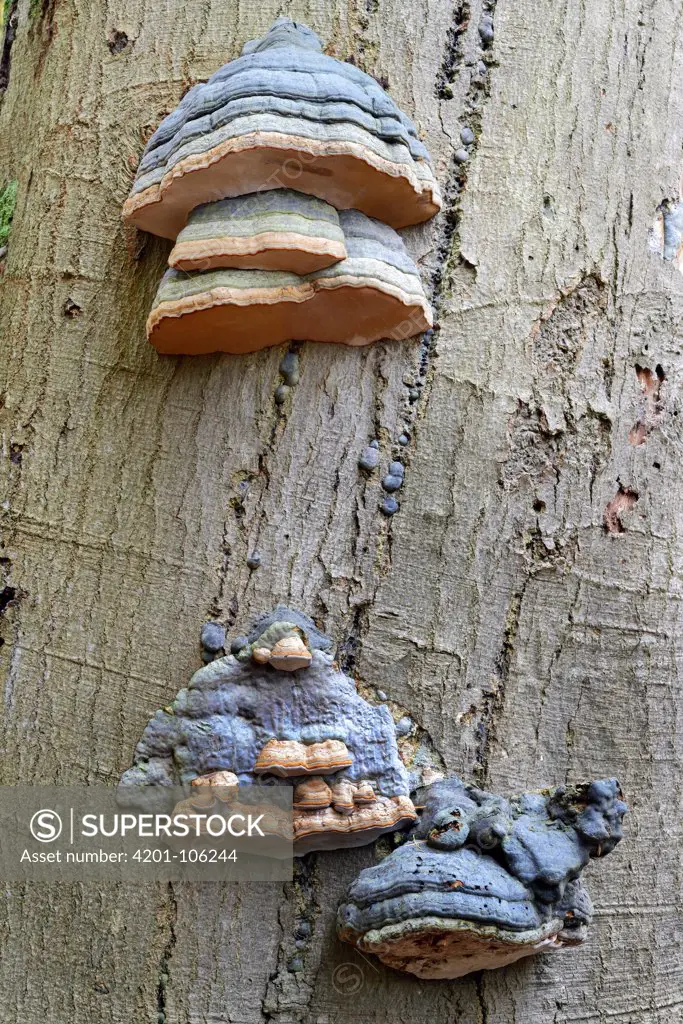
x=11 y=19
x=454 y=50
x=291 y=986
x=10 y=596
x=476 y=95
x=166 y=956
x=244 y=480
x=481 y=999
x=494 y=698
x=459 y=39
x=453 y=59
x=349 y=650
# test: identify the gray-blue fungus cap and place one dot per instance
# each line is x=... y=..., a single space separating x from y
x=485 y=880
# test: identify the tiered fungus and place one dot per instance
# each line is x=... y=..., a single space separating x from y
x=374 y=292
x=284 y=114
x=278 y=230
x=257 y=262
x=485 y=880
x=268 y=721
x=216 y=800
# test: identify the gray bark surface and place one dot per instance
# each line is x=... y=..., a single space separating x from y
x=524 y=606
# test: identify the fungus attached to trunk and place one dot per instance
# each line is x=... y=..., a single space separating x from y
x=290 y=654
x=374 y=293
x=308 y=730
x=312 y=795
x=282 y=644
x=291 y=758
x=330 y=829
x=277 y=230
x=215 y=786
x=285 y=114
x=485 y=881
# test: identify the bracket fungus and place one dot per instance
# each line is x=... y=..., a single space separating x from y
x=206 y=789
x=289 y=758
x=374 y=292
x=277 y=230
x=485 y=880
x=267 y=722
x=284 y=112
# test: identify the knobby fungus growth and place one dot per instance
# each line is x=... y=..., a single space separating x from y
x=279 y=710
x=484 y=881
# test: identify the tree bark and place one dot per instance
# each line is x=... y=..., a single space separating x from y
x=524 y=605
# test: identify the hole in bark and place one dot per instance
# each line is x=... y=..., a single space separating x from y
x=117 y=41
x=7 y=594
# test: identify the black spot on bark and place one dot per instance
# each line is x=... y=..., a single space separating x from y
x=163 y=975
x=117 y=41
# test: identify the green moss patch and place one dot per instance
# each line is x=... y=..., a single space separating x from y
x=8 y=200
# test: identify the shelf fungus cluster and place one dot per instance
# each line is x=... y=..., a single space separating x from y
x=484 y=881
x=282 y=180
x=278 y=711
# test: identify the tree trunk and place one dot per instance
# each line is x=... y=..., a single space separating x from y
x=523 y=606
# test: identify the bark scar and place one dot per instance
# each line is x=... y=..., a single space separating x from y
x=623 y=501
x=653 y=406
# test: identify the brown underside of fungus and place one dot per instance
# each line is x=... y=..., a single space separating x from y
x=438 y=950
x=285 y=114
x=374 y=293
x=357 y=825
x=347 y=175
